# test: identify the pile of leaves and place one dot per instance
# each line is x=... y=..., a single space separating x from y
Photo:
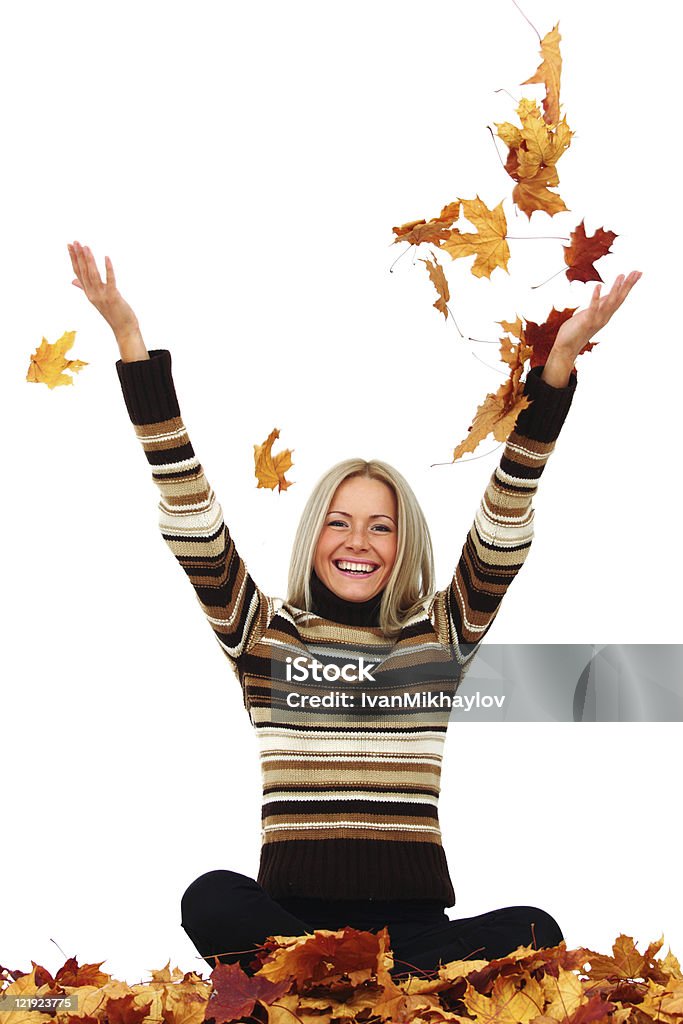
x=350 y=975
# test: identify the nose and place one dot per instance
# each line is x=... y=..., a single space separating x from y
x=357 y=539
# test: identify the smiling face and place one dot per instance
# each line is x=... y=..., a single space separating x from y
x=356 y=550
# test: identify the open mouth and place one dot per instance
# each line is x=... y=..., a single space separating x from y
x=357 y=569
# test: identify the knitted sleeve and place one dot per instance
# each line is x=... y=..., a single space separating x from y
x=190 y=517
x=500 y=537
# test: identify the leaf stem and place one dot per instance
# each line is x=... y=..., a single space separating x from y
x=526 y=19
x=456 y=462
x=562 y=271
x=493 y=140
x=523 y=238
x=399 y=257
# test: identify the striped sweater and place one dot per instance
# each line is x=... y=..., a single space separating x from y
x=350 y=795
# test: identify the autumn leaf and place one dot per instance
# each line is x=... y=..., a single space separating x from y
x=507 y=1003
x=327 y=976
x=434 y=230
x=583 y=250
x=48 y=362
x=270 y=469
x=549 y=72
x=438 y=278
x=498 y=413
x=235 y=993
x=533 y=152
x=488 y=243
x=541 y=337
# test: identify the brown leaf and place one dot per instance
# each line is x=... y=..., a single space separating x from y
x=439 y=281
x=235 y=993
x=434 y=230
x=541 y=337
x=582 y=251
x=270 y=469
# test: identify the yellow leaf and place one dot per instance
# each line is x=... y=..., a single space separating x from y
x=488 y=244
x=49 y=361
x=270 y=469
x=548 y=73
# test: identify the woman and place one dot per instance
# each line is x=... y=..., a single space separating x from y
x=350 y=822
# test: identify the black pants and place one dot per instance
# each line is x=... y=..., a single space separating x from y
x=229 y=914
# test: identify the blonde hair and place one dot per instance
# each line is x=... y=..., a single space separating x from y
x=412 y=576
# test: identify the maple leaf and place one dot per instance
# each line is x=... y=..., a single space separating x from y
x=235 y=993
x=439 y=281
x=48 y=362
x=625 y=962
x=434 y=230
x=549 y=72
x=326 y=954
x=582 y=251
x=87 y=974
x=541 y=337
x=498 y=413
x=488 y=243
x=124 y=1010
x=533 y=152
x=507 y=1004
x=270 y=469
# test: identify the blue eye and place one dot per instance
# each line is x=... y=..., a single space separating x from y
x=336 y=522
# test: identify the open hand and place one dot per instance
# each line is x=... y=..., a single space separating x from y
x=585 y=323
x=104 y=295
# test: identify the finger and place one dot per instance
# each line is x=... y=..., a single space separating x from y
x=77 y=283
x=74 y=261
x=92 y=268
x=82 y=269
x=109 y=266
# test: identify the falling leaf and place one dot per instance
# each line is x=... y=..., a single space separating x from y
x=533 y=152
x=439 y=281
x=435 y=230
x=498 y=413
x=583 y=250
x=541 y=337
x=270 y=469
x=548 y=73
x=488 y=243
x=48 y=362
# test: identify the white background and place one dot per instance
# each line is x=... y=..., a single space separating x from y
x=243 y=165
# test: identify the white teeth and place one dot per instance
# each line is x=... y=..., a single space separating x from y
x=362 y=568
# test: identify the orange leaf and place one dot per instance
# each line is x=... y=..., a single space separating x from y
x=548 y=72
x=533 y=152
x=438 y=228
x=48 y=362
x=439 y=281
x=582 y=251
x=270 y=469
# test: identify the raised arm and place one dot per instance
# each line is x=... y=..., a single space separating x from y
x=190 y=518
x=500 y=537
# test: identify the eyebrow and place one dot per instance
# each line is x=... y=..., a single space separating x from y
x=376 y=515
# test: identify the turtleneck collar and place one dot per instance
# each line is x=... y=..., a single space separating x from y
x=328 y=605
